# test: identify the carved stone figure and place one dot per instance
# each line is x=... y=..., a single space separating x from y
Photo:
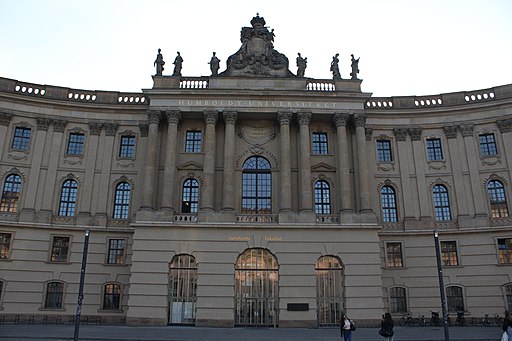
x=301 y=65
x=257 y=56
x=178 y=61
x=214 y=65
x=355 y=67
x=159 y=63
x=334 y=67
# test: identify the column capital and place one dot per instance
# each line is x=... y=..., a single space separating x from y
x=5 y=118
x=415 y=133
x=400 y=134
x=95 y=128
x=144 y=129
x=466 y=129
x=450 y=131
x=504 y=126
x=304 y=118
x=341 y=119
x=110 y=129
x=360 y=120
x=173 y=116
x=210 y=116
x=230 y=117
x=59 y=125
x=284 y=117
x=154 y=116
x=43 y=123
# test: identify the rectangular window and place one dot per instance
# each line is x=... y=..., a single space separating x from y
x=449 y=253
x=127 y=147
x=434 y=150
x=384 y=151
x=488 y=145
x=54 y=295
x=116 y=251
x=505 y=250
x=320 y=145
x=193 y=141
x=21 y=139
x=60 y=249
x=394 y=258
x=75 y=144
x=398 y=300
x=5 y=245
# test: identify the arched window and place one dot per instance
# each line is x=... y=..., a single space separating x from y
x=322 y=197
x=54 y=295
x=256 y=288
x=329 y=290
x=441 y=203
x=497 y=198
x=454 y=299
x=11 y=193
x=190 y=197
x=397 y=300
x=508 y=295
x=388 y=201
x=183 y=289
x=67 y=203
x=256 y=186
x=112 y=296
x=122 y=201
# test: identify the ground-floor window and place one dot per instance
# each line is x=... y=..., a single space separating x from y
x=256 y=288
x=508 y=294
x=329 y=288
x=182 y=289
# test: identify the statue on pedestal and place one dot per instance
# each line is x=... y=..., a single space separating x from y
x=301 y=65
x=355 y=67
x=334 y=67
x=178 y=61
x=214 y=65
x=159 y=63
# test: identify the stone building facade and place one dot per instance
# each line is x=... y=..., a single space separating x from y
x=252 y=199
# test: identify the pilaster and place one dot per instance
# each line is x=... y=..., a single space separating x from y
x=208 y=190
x=173 y=119
x=364 y=185
x=344 y=186
x=230 y=118
x=285 y=172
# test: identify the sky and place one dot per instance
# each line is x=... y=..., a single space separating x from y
x=413 y=47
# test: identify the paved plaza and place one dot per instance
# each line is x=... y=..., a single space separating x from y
x=21 y=332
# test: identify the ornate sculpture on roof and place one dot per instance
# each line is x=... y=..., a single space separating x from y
x=257 y=56
x=355 y=67
x=159 y=63
x=178 y=63
x=335 y=68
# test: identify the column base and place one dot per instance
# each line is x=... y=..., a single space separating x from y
x=27 y=215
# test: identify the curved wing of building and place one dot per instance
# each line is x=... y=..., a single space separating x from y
x=253 y=197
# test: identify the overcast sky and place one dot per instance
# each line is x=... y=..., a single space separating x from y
x=405 y=47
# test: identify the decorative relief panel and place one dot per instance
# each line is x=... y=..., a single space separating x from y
x=257 y=133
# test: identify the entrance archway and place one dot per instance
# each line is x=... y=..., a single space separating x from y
x=182 y=289
x=329 y=286
x=256 y=288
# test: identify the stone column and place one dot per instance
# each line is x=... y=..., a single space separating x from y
x=229 y=159
x=505 y=127
x=344 y=186
x=424 y=196
x=151 y=158
x=285 y=171
x=84 y=212
x=362 y=163
x=306 y=192
x=173 y=118
x=35 y=169
x=51 y=174
x=411 y=210
x=5 y=120
x=106 y=171
x=473 y=157
x=208 y=190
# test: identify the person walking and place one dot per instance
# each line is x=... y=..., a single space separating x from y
x=507 y=327
x=346 y=328
x=386 y=327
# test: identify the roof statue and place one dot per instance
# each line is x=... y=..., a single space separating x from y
x=257 y=56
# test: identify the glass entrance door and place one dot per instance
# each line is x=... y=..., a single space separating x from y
x=182 y=290
x=256 y=289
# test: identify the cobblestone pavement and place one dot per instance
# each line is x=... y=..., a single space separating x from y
x=20 y=332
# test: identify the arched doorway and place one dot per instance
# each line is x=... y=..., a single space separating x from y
x=182 y=289
x=329 y=286
x=256 y=288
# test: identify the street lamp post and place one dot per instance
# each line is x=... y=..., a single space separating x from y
x=441 y=287
x=81 y=287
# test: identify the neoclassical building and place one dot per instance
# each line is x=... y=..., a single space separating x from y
x=252 y=197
